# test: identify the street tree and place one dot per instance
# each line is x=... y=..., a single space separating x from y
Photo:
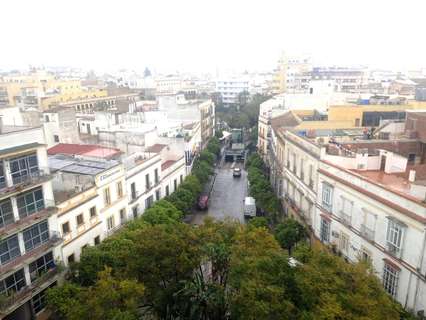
x=289 y=233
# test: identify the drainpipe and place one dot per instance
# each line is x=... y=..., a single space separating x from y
x=422 y=255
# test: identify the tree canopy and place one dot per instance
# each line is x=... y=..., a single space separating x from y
x=219 y=270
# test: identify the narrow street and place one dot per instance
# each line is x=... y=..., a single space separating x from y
x=226 y=196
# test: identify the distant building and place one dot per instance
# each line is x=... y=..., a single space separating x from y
x=346 y=79
x=230 y=89
x=292 y=74
x=60 y=126
x=168 y=85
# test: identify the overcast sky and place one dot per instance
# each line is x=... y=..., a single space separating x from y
x=202 y=35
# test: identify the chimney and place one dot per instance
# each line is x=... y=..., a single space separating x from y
x=412 y=176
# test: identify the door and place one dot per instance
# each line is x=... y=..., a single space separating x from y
x=382 y=163
x=88 y=129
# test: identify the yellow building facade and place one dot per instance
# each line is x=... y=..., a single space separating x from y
x=354 y=113
x=41 y=89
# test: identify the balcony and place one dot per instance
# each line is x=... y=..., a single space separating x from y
x=23 y=182
x=40 y=214
x=393 y=250
x=367 y=233
x=18 y=298
x=134 y=196
x=27 y=257
x=346 y=219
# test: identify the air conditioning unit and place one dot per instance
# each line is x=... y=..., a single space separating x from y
x=335 y=234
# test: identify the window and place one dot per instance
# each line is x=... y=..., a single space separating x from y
x=167 y=191
x=84 y=247
x=346 y=211
x=9 y=249
x=325 y=230
x=39 y=300
x=390 y=279
x=175 y=184
x=92 y=212
x=369 y=226
x=30 y=202
x=394 y=237
x=344 y=243
x=123 y=215
x=23 y=167
x=302 y=168
x=135 y=212
x=2 y=177
x=133 y=190
x=181 y=178
x=6 y=213
x=327 y=196
x=119 y=189
x=157 y=194
x=71 y=258
x=13 y=283
x=41 y=265
x=147 y=183
x=80 y=220
x=156 y=176
x=66 y=228
x=36 y=235
x=365 y=255
x=97 y=240
x=149 y=201
x=55 y=138
x=411 y=158
x=110 y=223
x=107 y=197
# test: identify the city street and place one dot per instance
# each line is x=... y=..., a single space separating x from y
x=227 y=195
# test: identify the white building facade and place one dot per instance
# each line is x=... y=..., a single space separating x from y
x=365 y=220
x=231 y=88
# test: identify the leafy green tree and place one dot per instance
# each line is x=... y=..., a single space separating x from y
x=214 y=146
x=164 y=257
x=202 y=170
x=208 y=157
x=259 y=270
x=192 y=184
x=183 y=200
x=163 y=212
x=258 y=222
x=334 y=289
x=109 y=298
x=289 y=233
x=113 y=252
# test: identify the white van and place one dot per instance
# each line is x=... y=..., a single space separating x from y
x=249 y=207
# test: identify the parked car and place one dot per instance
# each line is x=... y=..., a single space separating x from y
x=203 y=202
x=249 y=207
x=236 y=173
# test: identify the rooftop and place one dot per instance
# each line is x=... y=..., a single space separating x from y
x=156 y=148
x=79 y=166
x=167 y=164
x=87 y=150
x=398 y=181
x=10 y=129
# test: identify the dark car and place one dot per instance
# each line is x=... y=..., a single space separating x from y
x=236 y=173
x=203 y=202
